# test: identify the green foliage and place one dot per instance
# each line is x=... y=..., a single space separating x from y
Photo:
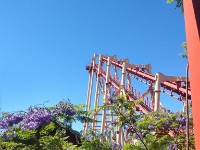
x=156 y=130
x=163 y=123
x=56 y=143
x=11 y=146
x=53 y=136
x=82 y=115
x=130 y=146
x=146 y=131
x=24 y=137
x=95 y=144
x=91 y=141
x=47 y=130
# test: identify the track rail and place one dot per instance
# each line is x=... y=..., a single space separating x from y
x=175 y=87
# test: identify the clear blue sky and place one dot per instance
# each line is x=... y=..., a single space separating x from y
x=46 y=44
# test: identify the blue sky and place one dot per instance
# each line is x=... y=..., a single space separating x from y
x=46 y=44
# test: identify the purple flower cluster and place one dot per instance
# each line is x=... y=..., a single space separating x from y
x=6 y=136
x=115 y=146
x=151 y=127
x=36 y=117
x=132 y=120
x=65 y=108
x=172 y=147
x=137 y=135
x=3 y=124
x=10 y=120
x=114 y=122
x=168 y=122
x=111 y=100
x=182 y=121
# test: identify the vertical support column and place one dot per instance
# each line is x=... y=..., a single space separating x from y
x=122 y=92
x=129 y=81
x=151 y=90
x=89 y=80
x=91 y=84
x=96 y=114
x=184 y=104
x=123 y=141
x=103 y=86
x=88 y=91
x=105 y=98
x=124 y=66
x=97 y=92
x=112 y=127
x=89 y=96
x=192 y=24
x=158 y=78
x=116 y=74
x=106 y=132
x=111 y=119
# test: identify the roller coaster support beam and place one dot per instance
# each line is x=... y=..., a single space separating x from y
x=192 y=24
x=103 y=123
x=159 y=79
x=89 y=94
x=120 y=135
x=97 y=92
x=116 y=74
x=124 y=67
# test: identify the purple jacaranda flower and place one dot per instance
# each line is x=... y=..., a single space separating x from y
x=151 y=127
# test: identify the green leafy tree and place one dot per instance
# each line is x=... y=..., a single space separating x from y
x=91 y=141
x=42 y=128
x=156 y=130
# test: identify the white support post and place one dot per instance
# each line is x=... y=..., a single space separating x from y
x=116 y=74
x=129 y=81
x=88 y=91
x=106 y=132
x=96 y=104
x=151 y=90
x=112 y=127
x=111 y=119
x=105 y=98
x=89 y=96
x=122 y=141
x=91 y=83
x=119 y=135
x=97 y=92
x=89 y=80
x=124 y=66
x=184 y=104
x=159 y=79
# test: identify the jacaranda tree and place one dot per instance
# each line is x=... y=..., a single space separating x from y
x=42 y=127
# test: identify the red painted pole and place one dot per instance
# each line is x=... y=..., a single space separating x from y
x=192 y=24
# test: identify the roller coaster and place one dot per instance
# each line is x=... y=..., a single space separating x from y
x=113 y=77
x=171 y=85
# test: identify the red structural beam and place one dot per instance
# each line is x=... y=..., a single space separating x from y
x=173 y=86
x=192 y=24
x=144 y=108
